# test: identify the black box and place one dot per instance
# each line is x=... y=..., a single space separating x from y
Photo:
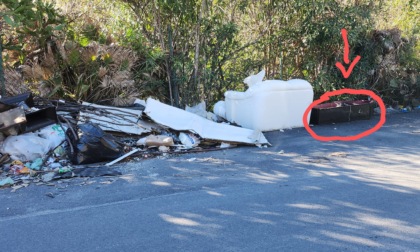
x=341 y=111
x=34 y=120
x=39 y=119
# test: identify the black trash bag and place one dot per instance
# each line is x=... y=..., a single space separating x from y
x=93 y=145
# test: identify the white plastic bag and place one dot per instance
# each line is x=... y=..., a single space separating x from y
x=199 y=109
x=26 y=147
x=54 y=133
x=30 y=146
x=220 y=109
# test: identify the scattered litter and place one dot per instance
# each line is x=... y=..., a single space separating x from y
x=226 y=145
x=88 y=182
x=338 y=154
x=54 y=165
x=159 y=140
x=122 y=157
x=41 y=140
x=54 y=133
x=88 y=172
x=17 y=167
x=60 y=151
x=164 y=149
x=64 y=170
x=7 y=181
x=189 y=140
x=17 y=187
x=35 y=165
x=389 y=111
x=141 y=142
x=25 y=170
x=48 y=177
x=199 y=109
x=50 y=194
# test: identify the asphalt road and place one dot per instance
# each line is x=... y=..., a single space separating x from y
x=298 y=195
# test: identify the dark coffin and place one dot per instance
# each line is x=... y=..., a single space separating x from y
x=341 y=111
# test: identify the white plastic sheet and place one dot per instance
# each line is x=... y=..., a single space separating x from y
x=182 y=120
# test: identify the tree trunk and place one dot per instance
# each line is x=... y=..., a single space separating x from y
x=172 y=75
x=163 y=47
x=197 y=85
x=2 y=82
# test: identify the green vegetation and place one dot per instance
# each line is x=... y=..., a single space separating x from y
x=182 y=52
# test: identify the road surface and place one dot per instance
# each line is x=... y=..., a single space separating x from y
x=298 y=195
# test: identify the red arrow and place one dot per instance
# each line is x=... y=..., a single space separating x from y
x=346 y=73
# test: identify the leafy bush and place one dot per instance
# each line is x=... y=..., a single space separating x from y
x=182 y=52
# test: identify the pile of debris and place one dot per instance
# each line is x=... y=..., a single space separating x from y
x=43 y=140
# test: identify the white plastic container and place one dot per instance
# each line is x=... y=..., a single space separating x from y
x=270 y=105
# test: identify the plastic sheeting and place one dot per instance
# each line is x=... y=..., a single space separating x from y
x=182 y=120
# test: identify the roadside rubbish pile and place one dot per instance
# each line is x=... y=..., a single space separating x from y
x=42 y=140
x=45 y=140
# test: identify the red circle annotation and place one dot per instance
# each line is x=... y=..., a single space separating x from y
x=326 y=97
